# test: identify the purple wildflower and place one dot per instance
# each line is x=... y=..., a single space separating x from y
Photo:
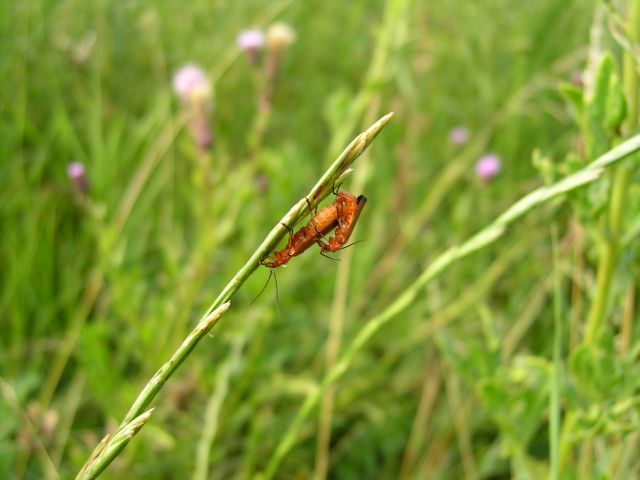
x=458 y=135
x=192 y=86
x=488 y=166
x=77 y=175
x=189 y=79
x=250 y=40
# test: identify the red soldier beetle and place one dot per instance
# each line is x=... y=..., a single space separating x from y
x=348 y=209
x=320 y=224
x=342 y=215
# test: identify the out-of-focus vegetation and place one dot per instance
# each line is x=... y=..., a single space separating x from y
x=519 y=361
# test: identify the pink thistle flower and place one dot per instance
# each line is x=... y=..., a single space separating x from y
x=77 y=175
x=488 y=166
x=251 y=42
x=188 y=80
x=458 y=135
x=192 y=86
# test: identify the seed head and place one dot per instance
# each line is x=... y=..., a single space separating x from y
x=280 y=35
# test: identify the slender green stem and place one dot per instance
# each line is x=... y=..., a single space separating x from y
x=609 y=256
x=212 y=415
x=485 y=237
x=367 y=99
x=554 y=400
x=215 y=404
x=566 y=441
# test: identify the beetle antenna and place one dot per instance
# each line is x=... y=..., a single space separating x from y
x=351 y=244
x=275 y=279
x=272 y=273
x=330 y=258
x=263 y=288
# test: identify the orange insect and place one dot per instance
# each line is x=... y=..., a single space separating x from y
x=348 y=209
x=342 y=213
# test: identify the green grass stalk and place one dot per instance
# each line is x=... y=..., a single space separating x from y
x=211 y=416
x=608 y=258
x=214 y=406
x=368 y=99
x=554 y=399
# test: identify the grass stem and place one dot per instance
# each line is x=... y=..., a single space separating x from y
x=554 y=399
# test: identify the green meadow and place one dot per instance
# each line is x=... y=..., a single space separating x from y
x=480 y=321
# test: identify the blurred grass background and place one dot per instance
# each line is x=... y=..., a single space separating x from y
x=96 y=295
